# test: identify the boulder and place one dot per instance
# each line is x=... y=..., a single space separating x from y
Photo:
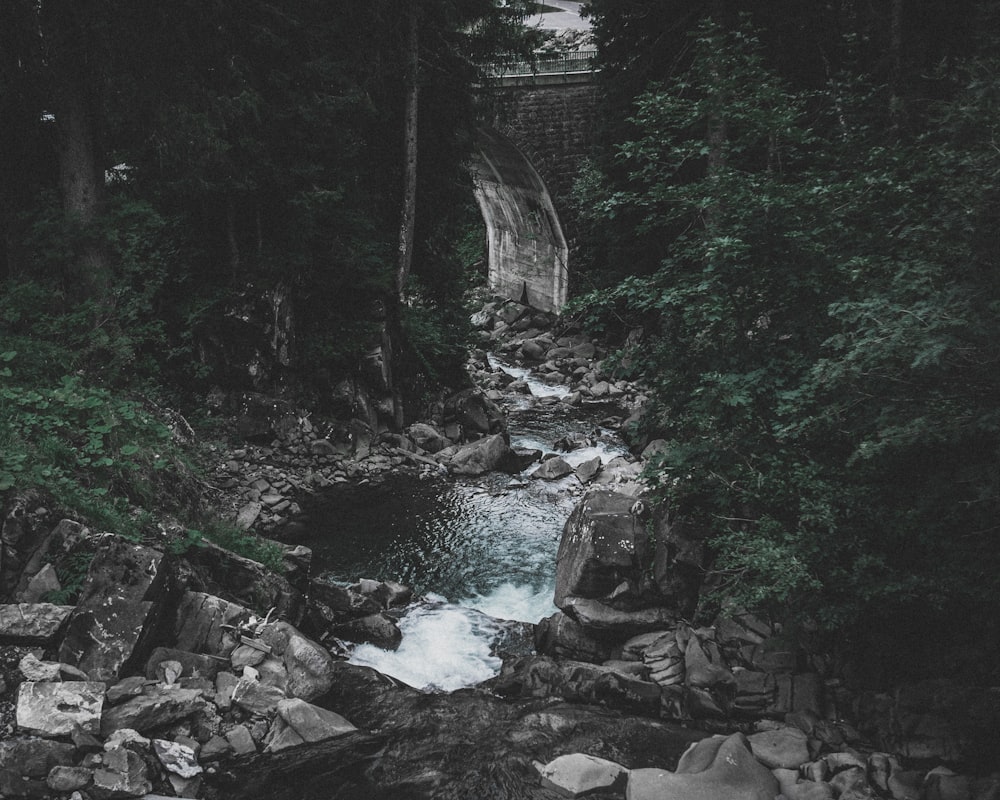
x=794 y=788
x=309 y=665
x=379 y=629
x=191 y=664
x=601 y=545
x=67 y=779
x=59 y=708
x=712 y=769
x=588 y=470
x=561 y=636
x=781 y=748
x=579 y=775
x=427 y=437
x=32 y=623
x=482 y=456
x=256 y=697
x=117 y=611
x=298 y=722
x=552 y=469
x=205 y=624
x=595 y=615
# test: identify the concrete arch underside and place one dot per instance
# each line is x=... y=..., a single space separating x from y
x=527 y=250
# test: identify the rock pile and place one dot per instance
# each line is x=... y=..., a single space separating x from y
x=149 y=683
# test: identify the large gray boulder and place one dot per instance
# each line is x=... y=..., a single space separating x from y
x=482 y=456
x=117 y=611
x=602 y=545
x=157 y=706
x=207 y=624
x=579 y=775
x=298 y=722
x=712 y=769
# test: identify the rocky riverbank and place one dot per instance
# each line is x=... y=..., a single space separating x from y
x=190 y=671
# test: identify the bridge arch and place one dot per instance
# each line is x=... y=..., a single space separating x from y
x=526 y=248
x=524 y=167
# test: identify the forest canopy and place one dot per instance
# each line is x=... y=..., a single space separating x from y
x=806 y=200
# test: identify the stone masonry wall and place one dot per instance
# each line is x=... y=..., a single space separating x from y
x=554 y=126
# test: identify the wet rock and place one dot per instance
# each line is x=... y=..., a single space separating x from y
x=562 y=636
x=475 y=414
x=588 y=470
x=59 y=708
x=552 y=469
x=601 y=545
x=595 y=615
x=32 y=623
x=482 y=456
x=377 y=629
x=712 y=769
x=578 y=775
x=299 y=722
x=119 y=606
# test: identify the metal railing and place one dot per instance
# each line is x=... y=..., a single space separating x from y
x=555 y=64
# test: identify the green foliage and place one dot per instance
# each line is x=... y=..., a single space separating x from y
x=240 y=542
x=821 y=332
x=91 y=450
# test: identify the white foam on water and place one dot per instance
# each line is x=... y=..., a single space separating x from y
x=538 y=387
x=445 y=647
x=520 y=603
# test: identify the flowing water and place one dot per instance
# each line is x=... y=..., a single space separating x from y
x=480 y=551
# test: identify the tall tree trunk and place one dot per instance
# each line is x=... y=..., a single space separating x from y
x=408 y=209
x=896 y=101
x=74 y=85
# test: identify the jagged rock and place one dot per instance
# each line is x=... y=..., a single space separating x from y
x=595 y=615
x=299 y=722
x=240 y=740
x=58 y=708
x=248 y=515
x=475 y=413
x=852 y=784
x=34 y=670
x=244 y=581
x=665 y=661
x=191 y=664
x=256 y=697
x=377 y=629
x=117 y=609
x=481 y=456
x=578 y=775
x=783 y=748
x=204 y=623
x=40 y=584
x=704 y=665
x=561 y=636
x=309 y=665
x=126 y=737
x=177 y=758
x=27 y=545
x=712 y=769
x=215 y=748
x=122 y=774
x=601 y=545
x=32 y=623
x=552 y=469
x=588 y=470
x=678 y=562
x=155 y=707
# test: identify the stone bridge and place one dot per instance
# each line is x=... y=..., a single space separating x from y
x=524 y=168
